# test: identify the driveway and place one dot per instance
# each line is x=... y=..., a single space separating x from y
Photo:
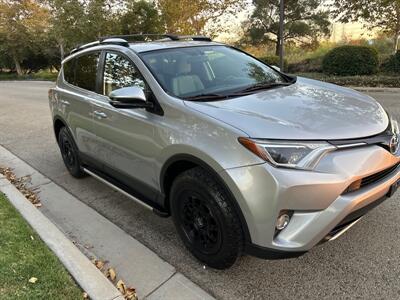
x=364 y=263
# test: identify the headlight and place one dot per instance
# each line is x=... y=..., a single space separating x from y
x=395 y=125
x=299 y=155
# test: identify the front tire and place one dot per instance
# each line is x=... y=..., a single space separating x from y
x=69 y=153
x=206 y=219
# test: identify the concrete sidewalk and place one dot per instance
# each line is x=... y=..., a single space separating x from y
x=99 y=238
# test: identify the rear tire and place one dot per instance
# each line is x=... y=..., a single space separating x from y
x=70 y=153
x=206 y=219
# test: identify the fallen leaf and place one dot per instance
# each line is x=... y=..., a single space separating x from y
x=131 y=294
x=99 y=264
x=85 y=295
x=111 y=274
x=20 y=184
x=121 y=287
x=33 y=280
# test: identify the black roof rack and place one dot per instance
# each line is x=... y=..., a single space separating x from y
x=145 y=37
x=123 y=40
x=101 y=41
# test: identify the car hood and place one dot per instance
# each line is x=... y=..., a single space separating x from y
x=306 y=110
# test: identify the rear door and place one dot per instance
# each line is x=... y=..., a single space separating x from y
x=73 y=95
x=125 y=137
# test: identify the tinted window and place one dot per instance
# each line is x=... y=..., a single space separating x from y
x=86 y=68
x=69 y=71
x=119 y=72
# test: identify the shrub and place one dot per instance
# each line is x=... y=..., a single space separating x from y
x=273 y=60
x=392 y=64
x=311 y=64
x=378 y=80
x=351 y=60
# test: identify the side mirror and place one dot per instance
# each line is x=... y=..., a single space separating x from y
x=276 y=68
x=129 y=97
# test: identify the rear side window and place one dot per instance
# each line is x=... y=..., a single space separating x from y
x=69 y=71
x=86 y=70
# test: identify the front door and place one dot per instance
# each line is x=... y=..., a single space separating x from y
x=125 y=137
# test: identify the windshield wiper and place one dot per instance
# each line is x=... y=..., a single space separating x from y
x=263 y=86
x=207 y=97
x=242 y=92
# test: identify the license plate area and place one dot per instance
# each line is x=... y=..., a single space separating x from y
x=393 y=188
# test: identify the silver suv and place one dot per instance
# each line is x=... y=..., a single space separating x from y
x=245 y=158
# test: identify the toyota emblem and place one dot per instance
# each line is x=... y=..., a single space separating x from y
x=394 y=144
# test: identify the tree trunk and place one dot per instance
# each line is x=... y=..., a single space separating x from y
x=62 y=51
x=278 y=41
x=396 y=42
x=17 y=65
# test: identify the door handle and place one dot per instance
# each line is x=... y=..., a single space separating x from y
x=64 y=102
x=100 y=114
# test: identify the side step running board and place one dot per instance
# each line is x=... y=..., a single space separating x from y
x=145 y=205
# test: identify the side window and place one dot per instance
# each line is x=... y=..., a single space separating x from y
x=69 y=71
x=86 y=70
x=119 y=72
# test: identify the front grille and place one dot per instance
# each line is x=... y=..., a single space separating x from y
x=377 y=176
x=360 y=183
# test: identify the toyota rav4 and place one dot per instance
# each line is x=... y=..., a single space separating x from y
x=245 y=158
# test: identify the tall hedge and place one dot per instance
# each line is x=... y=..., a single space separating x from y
x=392 y=65
x=351 y=60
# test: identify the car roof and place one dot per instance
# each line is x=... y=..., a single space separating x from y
x=140 y=47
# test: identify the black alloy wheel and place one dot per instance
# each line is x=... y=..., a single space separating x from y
x=206 y=219
x=69 y=153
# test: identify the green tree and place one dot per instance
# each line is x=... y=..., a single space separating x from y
x=75 y=22
x=381 y=14
x=66 y=23
x=101 y=18
x=305 y=22
x=23 y=26
x=192 y=16
x=141 y=17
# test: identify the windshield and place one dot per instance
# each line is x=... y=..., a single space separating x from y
x=192 y=72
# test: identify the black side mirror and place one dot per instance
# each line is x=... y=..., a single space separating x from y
x=129 y=97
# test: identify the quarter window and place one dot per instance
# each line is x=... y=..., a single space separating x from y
x=86 y=70
x=119 y=72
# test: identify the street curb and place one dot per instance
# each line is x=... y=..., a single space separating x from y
x=89 y=278
x=153 y=277
x=376 y=89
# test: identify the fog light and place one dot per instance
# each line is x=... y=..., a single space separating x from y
x=282 y=221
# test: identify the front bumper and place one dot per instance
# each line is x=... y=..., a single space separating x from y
x=316 y=197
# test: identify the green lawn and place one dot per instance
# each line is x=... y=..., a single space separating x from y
x=23 y=255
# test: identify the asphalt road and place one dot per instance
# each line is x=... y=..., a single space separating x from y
x=363 y=263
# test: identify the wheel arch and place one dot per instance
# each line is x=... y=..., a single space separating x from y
x=179 y=163
x=58 y=123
